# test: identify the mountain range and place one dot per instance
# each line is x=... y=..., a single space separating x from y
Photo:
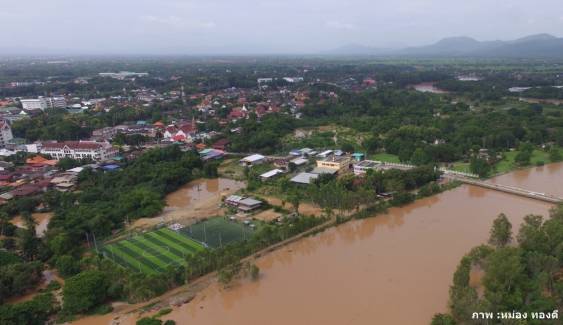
x=533 y=46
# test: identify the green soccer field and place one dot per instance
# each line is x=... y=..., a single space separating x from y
x=152 y=252
x=217 y=232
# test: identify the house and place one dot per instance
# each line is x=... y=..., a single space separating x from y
x=324 y=170
x=304 y=178
x=221 y=144
x=25 y=190
x=183 y=133
x=252 y=160
x=299 y=161
x=65 y=182
x=243 y=203
x=210 y=154
x=325 y=154
x=271 y=174
x=233 y=200
x=249 y=204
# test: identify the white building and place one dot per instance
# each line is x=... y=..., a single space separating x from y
x=252 y=160
x=79 y=150
x=37 y=103
x=43 y=103
x=56 y=102
x=5 y=133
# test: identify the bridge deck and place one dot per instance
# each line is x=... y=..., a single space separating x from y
x=511 y=190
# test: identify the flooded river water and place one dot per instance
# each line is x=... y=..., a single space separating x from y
x=392 y=269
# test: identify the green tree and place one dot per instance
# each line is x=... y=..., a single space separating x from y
x=479 y=166
x=84 y=291
x=419 y=157
x=294 y=199
x=501 y=232
x=148 y=321
x=67 y=266
x=555 y=154
x=443 y=319
x=505 y=281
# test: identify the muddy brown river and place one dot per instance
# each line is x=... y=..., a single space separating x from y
x=392 y=269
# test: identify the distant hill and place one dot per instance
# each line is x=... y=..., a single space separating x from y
x=533 y=46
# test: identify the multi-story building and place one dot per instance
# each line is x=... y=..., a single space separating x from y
x=56 y=102
x=79 y=150
x=334 y=162
x=43 y=103
x=5 y=132
x=37 y=103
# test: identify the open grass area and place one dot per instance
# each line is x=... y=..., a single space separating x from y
x=152 y=252
x=386 y=157
x=217 y=232
x=461 y=167
x=231 y=168
x=507 y=163
x=324 y=137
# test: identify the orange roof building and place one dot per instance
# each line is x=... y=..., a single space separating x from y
x=40 y=161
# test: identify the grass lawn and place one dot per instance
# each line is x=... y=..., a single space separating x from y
x=231 y=168
x=461 y=167
x=217 y=232
x=153 y=251
x=386 y=157
x=507 y=163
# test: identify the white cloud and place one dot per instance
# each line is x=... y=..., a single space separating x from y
x=340 y=25
x=178 y=22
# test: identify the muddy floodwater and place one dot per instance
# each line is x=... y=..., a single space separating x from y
x=198 y=199
x=42 y=220
x=395 y=268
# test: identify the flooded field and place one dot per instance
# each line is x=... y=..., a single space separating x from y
x=428 y=87
x=198 y=199
x=392 y=269
x=42 y=221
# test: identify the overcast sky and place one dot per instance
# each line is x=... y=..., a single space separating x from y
x=262 y=26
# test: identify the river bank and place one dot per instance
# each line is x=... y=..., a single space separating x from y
x=371 y=269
